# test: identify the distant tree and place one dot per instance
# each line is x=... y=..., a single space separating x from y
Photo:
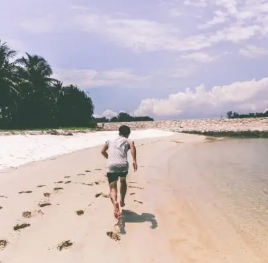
x=235 y=115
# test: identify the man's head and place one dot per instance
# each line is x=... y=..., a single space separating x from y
x=124 y=131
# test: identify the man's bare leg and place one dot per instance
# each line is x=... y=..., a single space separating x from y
x=123 y=190
x=113 y=196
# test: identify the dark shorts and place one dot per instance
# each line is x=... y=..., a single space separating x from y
x=113 y=177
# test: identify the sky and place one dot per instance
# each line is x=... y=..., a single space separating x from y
x=166 y=59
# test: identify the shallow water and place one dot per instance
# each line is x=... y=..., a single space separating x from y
x=230 y=177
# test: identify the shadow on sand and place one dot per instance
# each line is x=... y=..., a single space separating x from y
x=129 y=216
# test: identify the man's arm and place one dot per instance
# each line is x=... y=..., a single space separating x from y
x=104 y=151
x=134 y=155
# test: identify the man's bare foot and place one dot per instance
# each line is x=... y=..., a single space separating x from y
x=122 y=203
x=117 y=211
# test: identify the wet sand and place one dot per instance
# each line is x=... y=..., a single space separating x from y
x=58 y=210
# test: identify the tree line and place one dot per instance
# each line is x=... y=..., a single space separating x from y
x=236 y=115
x=31 y=98
x=124 y=117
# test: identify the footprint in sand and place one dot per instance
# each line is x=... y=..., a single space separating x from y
x=101 y=194
x=25 y=192
x=67 y=177
x=89 y=184
x=59 y=182
x=97 y=169
x=64 y=245
x=80 y=174
x=132 y=193
x=80 y=212
x=1 y=207
x=3 y=196
x=3 y=244
x=57 y=189
x=29 y=214
x=138 y=201
x=18 y=227
x=41 y=185
x=137 y=187
x=44 y=204
x=113 y=235
x=87 y=171
x=68 y=182
x=46 y=194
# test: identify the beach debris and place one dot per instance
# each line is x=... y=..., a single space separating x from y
x=18 y=227
x=87 y=171
x=41 y=185
x=137 y=187
x=44 y=204
x=3 y=244
x=80 y=212
x=132 y=193
x=101 y=194
x=68 y=182
x=25 y=192
x=64 y=245
x=67 y=177
x=59 y=182
x=57 y=189
x=138 y=201
x=113 y=235
x=27 y=214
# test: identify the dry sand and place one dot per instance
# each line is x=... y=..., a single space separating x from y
x=158 y=224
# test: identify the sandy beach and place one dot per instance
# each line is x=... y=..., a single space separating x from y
x=65 y=215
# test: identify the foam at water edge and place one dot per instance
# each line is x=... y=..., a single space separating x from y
x=17 y=150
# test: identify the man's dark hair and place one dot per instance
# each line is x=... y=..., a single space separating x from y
x=124 y=130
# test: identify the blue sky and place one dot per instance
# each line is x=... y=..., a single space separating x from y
x=166 y=59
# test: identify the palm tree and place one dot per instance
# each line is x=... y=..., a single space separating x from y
x=8 y=84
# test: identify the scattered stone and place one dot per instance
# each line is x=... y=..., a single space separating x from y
x=27 y=214
x=80 y=212
x=113 y=235
x=25 y=192
x=18 y=227
x=64 y=245
x=3 y=244
x=47 y=194
x=44 y=204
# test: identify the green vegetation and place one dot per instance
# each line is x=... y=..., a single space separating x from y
x=124 y=117
x=31 y=99
x=235 y=115
x=232 y=134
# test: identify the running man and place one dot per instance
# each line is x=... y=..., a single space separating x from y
x=118 y=165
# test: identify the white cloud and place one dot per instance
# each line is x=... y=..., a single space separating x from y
x=217 y=101
x=201 y=57
x=107 y=114
x=253 y=51
x=87 y=78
